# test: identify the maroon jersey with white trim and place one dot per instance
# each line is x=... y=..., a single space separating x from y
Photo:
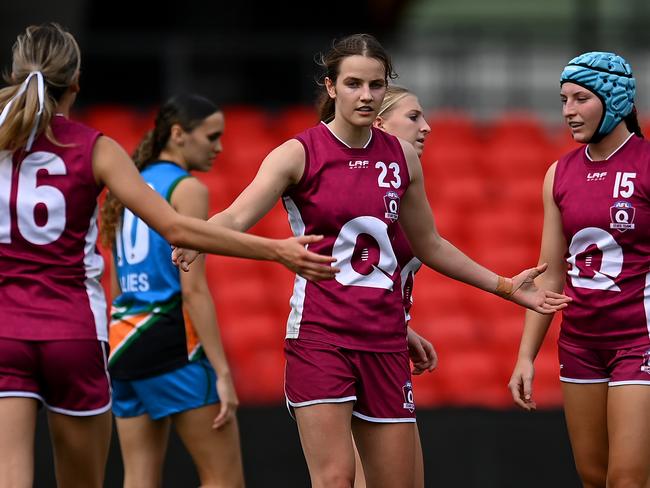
x=49 y=265
x=352 y=197
x=605 y=208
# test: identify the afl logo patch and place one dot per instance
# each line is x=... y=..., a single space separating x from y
x=622 y=216
x=407 y=391
x=391 y=202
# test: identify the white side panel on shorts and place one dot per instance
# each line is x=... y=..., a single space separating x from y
x=298 y=297
x=94 y=264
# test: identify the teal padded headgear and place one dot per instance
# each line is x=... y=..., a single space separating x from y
x=610 y=78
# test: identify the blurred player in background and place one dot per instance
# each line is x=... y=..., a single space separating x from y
x=161 y=373
x=53 y=331
x=346 y=349
x=597 y=219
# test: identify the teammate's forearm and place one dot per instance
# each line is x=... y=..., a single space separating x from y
x=228 y=221
x=196 y=234
x=452 y=262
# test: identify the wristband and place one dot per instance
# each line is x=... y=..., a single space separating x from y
x=504 y=287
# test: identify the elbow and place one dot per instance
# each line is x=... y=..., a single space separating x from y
x=427 y=249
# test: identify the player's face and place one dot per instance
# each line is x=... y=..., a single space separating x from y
x=203 y=143
x=359 y=89
x=406 y=120
x=581 y=110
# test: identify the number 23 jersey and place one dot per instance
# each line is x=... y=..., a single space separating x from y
x=605 y=208
x=351 y=196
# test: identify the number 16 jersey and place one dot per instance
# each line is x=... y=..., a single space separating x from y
x=352 y=197
x=605 y=208
x=49 y=265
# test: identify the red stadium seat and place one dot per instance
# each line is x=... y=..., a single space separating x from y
x=259 y=376
x=246 y=119
x=242 y=156
x=501 y=224
x=449 y=159
x=294 y=120
x=525 y=126
x=473 y=377
x=428 y=390
x=461 y=193
x=452 y=125
x=124 y=124
x=563 y=142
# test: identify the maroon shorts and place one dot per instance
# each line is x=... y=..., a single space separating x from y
x=615 y=367
x=69 y=377
x=379 y=384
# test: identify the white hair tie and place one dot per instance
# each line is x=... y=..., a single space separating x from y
x=41 y=102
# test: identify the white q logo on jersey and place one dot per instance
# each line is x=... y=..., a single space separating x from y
x=343 y=250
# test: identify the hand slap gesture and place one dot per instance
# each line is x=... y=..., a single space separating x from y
x=524 y=292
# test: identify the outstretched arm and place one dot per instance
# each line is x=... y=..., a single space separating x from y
x=282 y=168
x=417 y=221
x=535 y=326
x=113 y=167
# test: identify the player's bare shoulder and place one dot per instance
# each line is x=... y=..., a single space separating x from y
x=287 y=159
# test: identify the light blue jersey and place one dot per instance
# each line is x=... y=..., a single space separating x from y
x=145 y=271
x=149 y=332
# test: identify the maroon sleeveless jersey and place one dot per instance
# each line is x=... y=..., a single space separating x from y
x=49 y=265
x=409 y=265
x=352 y=197
x=605 y=208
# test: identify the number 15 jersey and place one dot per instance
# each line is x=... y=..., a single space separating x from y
x=352 y=197
x=605 y=208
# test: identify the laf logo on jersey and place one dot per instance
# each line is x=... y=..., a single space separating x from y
x=391 y=202
x=358 y=164
x=407 y=391
x=622 y=215
x=596 y=176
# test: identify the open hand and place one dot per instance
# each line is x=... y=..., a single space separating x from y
x=525 y=292
x=293 y=254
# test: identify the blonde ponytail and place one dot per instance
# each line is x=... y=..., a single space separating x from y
x=46 y=60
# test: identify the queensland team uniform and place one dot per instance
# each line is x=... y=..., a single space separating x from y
x=409 y=265
x=52 y=307
x=605 y=331
x=157 y=363
x=346 y=337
